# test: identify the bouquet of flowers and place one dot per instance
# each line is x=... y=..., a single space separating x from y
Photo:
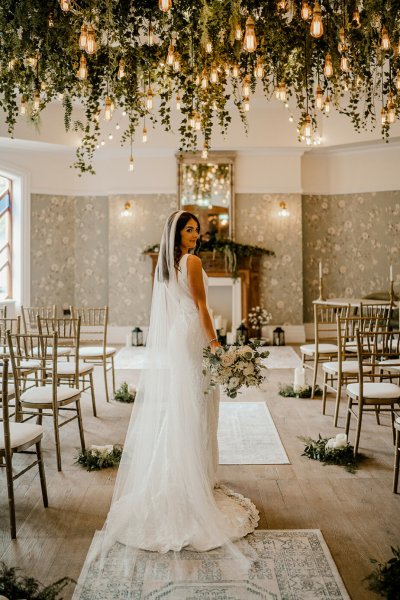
x=258 y=317
x=234 y=367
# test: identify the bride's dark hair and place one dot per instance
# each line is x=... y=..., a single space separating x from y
x=181 y=223
x=163 y=266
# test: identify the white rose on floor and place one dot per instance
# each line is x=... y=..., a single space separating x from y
x=227 y=359
x=107 y=449
x=330 y=444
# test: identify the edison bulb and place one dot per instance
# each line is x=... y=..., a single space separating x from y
x=328 y=66
x=83 y=37
x=91 y=45
x=108 y=109
x=246 y=87
x=165 y=5
x=305 y=10
x=250 y=40
x=214 y=74
x=121 y=69
x=317 y=26
x=82 y=71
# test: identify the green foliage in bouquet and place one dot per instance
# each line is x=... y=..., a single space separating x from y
x=124 y=395
x=94 y=460
x=235 y=367
x=317 y=450
x=15 y=586
x=385 y=579
x=287 y=391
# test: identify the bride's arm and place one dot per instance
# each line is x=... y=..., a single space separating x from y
x=196 y=287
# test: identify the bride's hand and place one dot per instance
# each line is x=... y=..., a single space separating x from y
x=214 y=345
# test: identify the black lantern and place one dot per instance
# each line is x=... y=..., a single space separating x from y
x=137 y=337
x=242 y=334
x=278 y=337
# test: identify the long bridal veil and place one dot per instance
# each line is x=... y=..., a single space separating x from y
x=163 y=500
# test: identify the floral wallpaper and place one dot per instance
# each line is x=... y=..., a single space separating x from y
x=129 y=274
x=52 y=250
x=357 y=238
x=84 y=252
x=91 y=251
x=258 y=222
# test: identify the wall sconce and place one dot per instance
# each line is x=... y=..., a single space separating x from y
x=127 y=210
x=283 y=210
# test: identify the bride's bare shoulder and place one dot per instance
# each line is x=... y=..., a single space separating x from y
x=194 y=263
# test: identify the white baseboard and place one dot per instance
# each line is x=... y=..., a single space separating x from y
x=294 y=334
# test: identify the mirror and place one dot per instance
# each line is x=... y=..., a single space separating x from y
x=205 y=187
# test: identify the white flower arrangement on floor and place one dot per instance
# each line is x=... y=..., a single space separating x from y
x=235 y=367
x=258 y=317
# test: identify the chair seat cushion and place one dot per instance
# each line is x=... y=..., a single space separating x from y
x=61 y=351
x=391 y=364
x=68 y=368
x=310 y=349
x=378 y=390
x=11 y=389
x=44 y=395
x=348 y=366
x=20 y=434
x=95 y=351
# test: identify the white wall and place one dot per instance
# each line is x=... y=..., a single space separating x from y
x=356 y=169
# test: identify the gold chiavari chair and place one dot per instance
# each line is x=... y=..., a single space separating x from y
x=75 y=372
x=31 y=313
x=18 y=438
x=375 y=391
x=345 y=369
x=93 y=347
x=325 y=346
x=46 y=399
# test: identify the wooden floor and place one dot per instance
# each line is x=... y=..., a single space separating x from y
x=357 y=514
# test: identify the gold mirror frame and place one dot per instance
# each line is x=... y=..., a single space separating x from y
x=214 y=158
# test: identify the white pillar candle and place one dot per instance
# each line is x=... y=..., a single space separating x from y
x=229 y=337
x=218 y=321
x=320 y=269
x=299 y=378
x=391 y=273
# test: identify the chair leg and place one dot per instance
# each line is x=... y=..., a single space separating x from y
x=57 y=439
x=314 y=383
x=105 y=379
x=392 y=416
x=325 y=382
x=348 y=415
x=92 y=393
x=377 y=411
x=81 y=435
x=39 y=418
x=113 y=373
x=11 y=501
x=396 y=463
x=42 y=474
x=337 y=403
x=358 y=428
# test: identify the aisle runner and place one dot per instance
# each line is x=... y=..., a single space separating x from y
x=247 y=435
x=289 y=564
x=281 y=357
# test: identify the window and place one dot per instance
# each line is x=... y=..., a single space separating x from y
x=5 y=239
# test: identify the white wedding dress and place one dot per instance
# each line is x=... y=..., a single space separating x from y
x=166 y=495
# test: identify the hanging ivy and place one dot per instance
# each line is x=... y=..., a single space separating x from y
x=40 y=57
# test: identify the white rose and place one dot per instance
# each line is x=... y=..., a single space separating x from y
x=330 y=444
x=245 y=351
x=249 y=370
x=227 y=359
x=233 y=383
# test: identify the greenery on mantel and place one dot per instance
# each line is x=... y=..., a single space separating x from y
x=230 y=250
x=194 y=56
x=13 y=586
x=385 y=579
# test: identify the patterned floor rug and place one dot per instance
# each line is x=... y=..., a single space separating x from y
x=285 y=565
x=247 y=435
x=282 y=357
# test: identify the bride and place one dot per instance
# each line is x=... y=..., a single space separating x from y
x=166 y=495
